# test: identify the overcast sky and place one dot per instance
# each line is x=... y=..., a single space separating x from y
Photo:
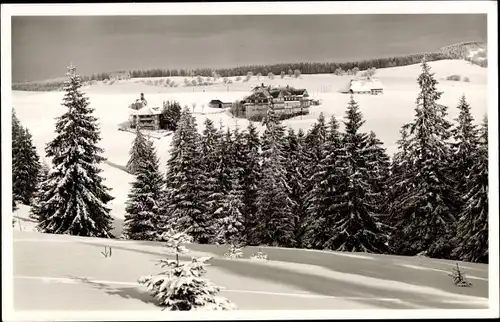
x=42 y=47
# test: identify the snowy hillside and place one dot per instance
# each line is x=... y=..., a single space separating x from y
x=49 y=267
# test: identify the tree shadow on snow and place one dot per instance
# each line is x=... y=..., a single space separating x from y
x=328 y=286
x=126 y=292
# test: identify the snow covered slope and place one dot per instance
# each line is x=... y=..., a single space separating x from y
x=49 y=267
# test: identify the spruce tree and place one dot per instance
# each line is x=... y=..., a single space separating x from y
x=186 y=210
x=16 y=130
x=427 y=210
x=137 y=152
x=41 y=189
x=226 y=161
x=301 y=223
x=170 y=116
x=210 y=143
x=315 y=145
x=75 y=201
x=239 y=157
x=25 y=164
x=143 y=208
x=379 y=162
x=313 y=155
x=356 y=227
x=15 y=139
x=295 y=169
x=182 y=286
x=398 y=183
x=274 y=206
x=464 y=147
x=471 y=238
x=323 y=196
x=250 y=181
x=230 y=219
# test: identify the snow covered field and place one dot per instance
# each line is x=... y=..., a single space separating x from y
x=48 y=268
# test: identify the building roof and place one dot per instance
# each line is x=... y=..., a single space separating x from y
x=257 y=95
x=147 y=110
x=363 y=85
x=296 y=91
x=215 y=102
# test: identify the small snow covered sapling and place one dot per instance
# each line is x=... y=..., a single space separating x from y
x=181 y=287
x=235 y=251
x=259 y=255
x=459 y=278
x=107 y=251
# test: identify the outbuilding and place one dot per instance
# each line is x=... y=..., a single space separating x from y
x=364 y=86
x=219 y=104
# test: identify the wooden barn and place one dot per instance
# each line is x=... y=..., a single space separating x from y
x=219 y=104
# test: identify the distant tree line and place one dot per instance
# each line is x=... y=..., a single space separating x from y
x=294 y=69
x=455 y=51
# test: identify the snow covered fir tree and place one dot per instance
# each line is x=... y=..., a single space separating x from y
x=323 y=194
x=26 y=166
x=426 y=212
x=144 y=218
x=355 y=225
x=230 y=222
x=137 y=151
x=471 y=241
x=40 y=190
x=250 y=180
x=74 y=199
x=182 y=286
x=184 y=208
x=274 y=210
x=464 y=147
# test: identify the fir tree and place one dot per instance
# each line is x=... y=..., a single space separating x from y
x=295 y=169
x=143 y=207
x=25 y=164
x=137 y=152
x=356 y=227
x=170 y=116
x=41 y=189
x=75 y=199
x=239 y=157
x=250 y=181
x=315 y=145
x=465 y=135
x=398 y=183
x=379 y=162
x=182 y=286
x=427 y=209
x=471 y=238
x=230 y=224
x=274 y=206
x=186 y=210
x=324 y=195
x=226 y=161
x=313 y=154
x=210 y=144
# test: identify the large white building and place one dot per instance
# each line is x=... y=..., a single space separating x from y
x=364 y=86
x=147 y=117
